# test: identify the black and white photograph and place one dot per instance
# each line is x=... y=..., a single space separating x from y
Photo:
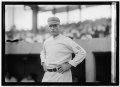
x=60 y=43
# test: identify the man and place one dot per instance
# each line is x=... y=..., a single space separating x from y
x=56 y=56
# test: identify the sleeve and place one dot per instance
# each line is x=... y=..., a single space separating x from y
x=80 y=53
x=43 y=54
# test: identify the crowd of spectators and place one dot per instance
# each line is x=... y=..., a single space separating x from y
x=28 y=78
x=82 y=30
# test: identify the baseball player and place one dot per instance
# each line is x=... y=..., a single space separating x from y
x=56 y=55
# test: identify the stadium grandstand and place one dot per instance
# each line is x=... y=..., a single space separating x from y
x=90 y=26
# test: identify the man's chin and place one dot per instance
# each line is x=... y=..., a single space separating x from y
x=54 y=34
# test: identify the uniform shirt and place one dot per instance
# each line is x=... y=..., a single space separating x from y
x=59 y=50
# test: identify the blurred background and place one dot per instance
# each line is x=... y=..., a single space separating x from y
x=26 y=29
x=78 y=21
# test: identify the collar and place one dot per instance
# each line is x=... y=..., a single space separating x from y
x=56 y=36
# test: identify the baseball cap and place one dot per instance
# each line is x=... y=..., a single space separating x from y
x=53 y=20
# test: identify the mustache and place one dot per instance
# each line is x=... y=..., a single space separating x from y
x=53 y=30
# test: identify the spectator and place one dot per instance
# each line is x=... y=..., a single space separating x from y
x=10 y=78
x=29 y=78
x=6 y=37
x=86 y=36
x=75 y=78
x=38 y=38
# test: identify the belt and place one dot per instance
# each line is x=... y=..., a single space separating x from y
x=52 y=70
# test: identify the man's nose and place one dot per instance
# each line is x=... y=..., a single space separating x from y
x=52 y=28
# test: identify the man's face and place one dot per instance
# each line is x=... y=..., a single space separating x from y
x=54 y=29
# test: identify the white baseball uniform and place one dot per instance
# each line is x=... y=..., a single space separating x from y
x=59 y=50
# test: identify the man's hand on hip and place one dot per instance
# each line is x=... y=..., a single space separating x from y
x=44 y=67
x=64 y=67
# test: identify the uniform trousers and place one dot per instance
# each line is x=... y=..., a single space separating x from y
x=57 y=77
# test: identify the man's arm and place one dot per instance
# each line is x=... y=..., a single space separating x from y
x=80 y=54
x=42 y=56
